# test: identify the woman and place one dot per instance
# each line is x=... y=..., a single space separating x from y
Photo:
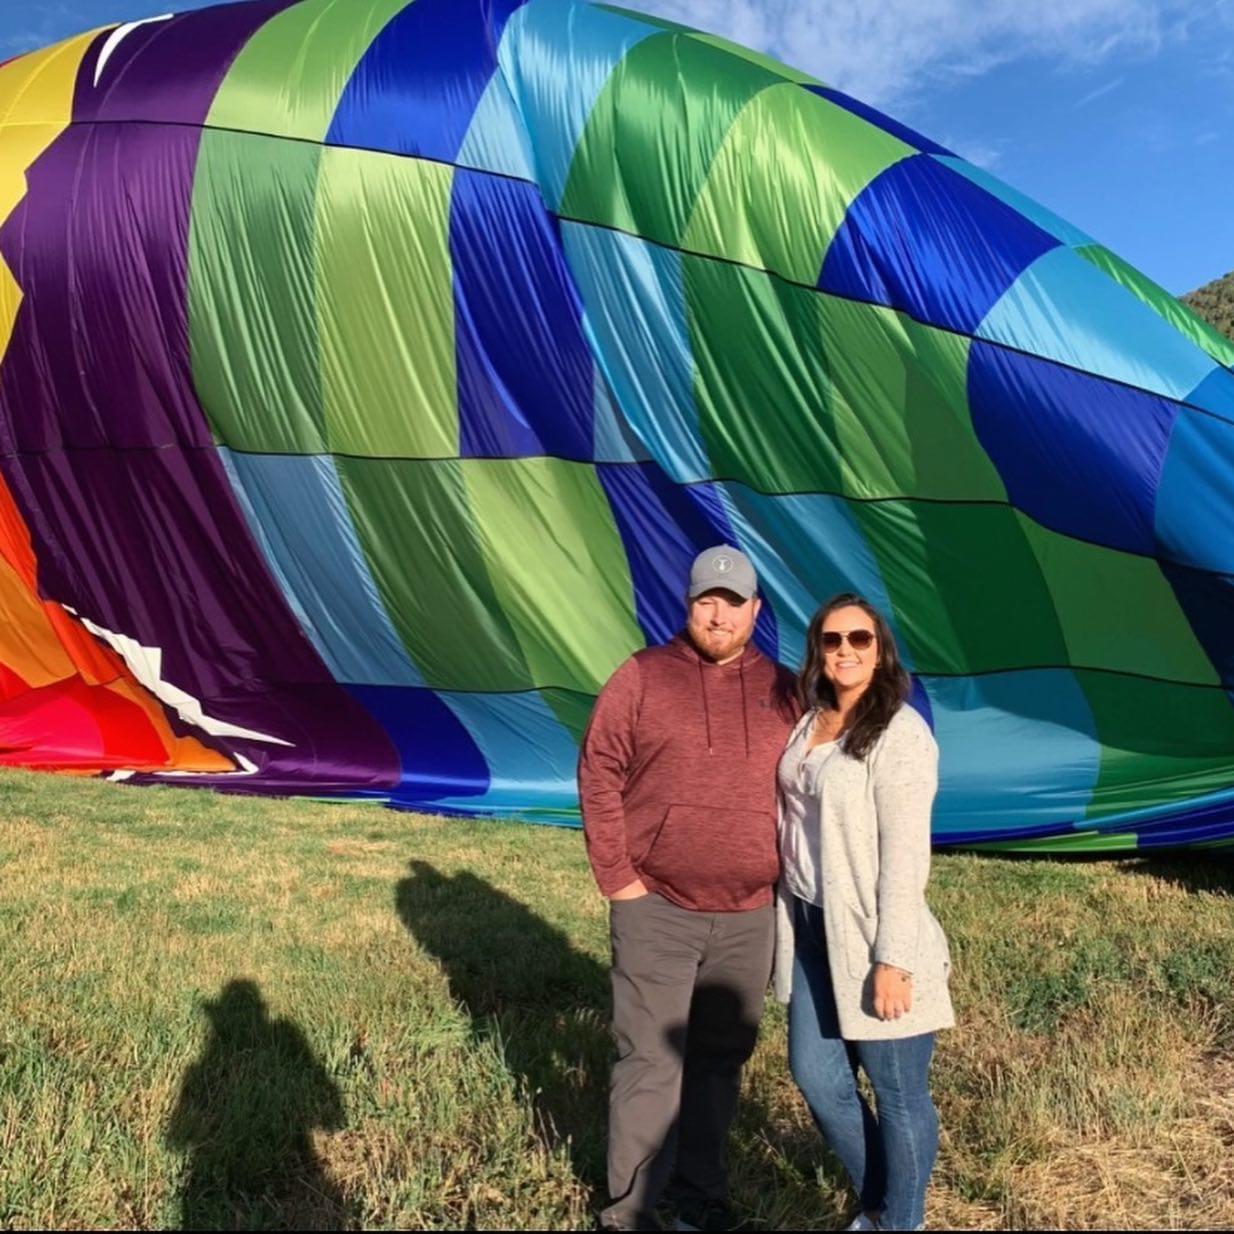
x=860 y=959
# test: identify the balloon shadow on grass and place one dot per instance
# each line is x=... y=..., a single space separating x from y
x=245 y=1116
x=1211 y=872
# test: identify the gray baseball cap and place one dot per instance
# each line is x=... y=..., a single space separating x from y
x=726 y=567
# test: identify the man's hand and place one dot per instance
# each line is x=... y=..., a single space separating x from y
x=632 y=891
x=893 y=992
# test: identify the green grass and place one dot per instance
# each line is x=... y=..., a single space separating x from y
x=243 y=1013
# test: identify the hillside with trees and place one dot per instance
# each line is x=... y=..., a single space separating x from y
x=1214 y=302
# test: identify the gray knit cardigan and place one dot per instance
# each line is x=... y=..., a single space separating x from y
x=875 y=855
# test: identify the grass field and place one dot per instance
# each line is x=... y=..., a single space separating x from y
x=227 y=1012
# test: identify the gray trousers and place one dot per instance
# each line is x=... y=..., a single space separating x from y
x=687 y=998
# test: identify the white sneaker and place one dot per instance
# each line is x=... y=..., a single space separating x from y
x=862 y=1222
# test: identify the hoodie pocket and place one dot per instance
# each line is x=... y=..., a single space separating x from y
x=713 y=858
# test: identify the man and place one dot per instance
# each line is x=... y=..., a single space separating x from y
x=677 y=782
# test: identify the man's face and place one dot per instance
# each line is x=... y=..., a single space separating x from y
x=720 y=623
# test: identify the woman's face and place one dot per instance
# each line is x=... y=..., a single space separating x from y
x=849 y=668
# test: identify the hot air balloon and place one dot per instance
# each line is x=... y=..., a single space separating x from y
x=370 y=372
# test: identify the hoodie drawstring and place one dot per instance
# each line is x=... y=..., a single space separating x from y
x=745 y=715
x=745 y=718
x=702 y=685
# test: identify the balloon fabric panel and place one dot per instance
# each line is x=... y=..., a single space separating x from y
x=526 y=380
x=252 y=279
x=1161 y=302
x=370 y=373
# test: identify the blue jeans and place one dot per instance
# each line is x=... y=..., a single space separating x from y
x=888 y=1157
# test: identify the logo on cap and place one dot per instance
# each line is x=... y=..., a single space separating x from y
x=721 y=564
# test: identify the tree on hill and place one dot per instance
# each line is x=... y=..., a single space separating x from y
x=1214 y=302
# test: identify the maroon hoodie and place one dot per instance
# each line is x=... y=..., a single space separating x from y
x=677 y=776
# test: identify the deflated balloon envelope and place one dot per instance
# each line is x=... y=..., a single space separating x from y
x=370 y=374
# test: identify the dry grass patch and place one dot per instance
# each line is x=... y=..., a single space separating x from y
x=1180 y=1178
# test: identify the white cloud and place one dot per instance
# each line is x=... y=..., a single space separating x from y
x=1100 y=92
x=889 y=51
x=987 y=154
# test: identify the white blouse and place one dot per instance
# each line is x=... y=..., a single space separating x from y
x=801 y=828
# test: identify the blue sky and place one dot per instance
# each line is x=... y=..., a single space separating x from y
x=1117 y=114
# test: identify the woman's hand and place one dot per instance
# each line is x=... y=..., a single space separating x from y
x=893 y=992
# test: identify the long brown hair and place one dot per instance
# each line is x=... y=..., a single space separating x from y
x=886 y=692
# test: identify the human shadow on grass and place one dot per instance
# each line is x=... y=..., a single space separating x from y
x=245 y=1115
x=548 y=1006
x=545 y=1004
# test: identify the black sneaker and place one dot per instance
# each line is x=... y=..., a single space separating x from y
x=713 y=1216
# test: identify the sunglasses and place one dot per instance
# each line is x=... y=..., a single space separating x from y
x=858 y=640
